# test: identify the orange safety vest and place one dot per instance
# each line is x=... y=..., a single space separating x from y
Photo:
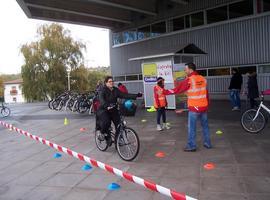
x=197 y=93
x=161 y=97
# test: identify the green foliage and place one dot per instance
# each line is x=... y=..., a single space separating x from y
x=47 y=61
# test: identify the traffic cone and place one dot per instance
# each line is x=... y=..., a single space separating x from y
x=66 y=121
x=57 y=155
x=113 y=186
x=219 y=132
x=86 y=167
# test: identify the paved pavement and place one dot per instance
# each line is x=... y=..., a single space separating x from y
x=28 y=170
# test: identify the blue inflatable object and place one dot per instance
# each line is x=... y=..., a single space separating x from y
x=57 y=155
x=113 y=186
x=86 y=167
x=128 y=104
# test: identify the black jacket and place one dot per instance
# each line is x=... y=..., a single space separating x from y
x=236 y=81
x=253 y=91
x=108 y=97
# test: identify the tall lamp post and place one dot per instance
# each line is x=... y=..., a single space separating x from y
x=68 y=76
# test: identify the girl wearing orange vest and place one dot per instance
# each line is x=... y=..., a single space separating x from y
x=160 y=103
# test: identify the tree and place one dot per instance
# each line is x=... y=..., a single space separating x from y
x=47 y=61
x=1 y=87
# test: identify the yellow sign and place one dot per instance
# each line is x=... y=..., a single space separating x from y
x=179 y=75
x=150 y=69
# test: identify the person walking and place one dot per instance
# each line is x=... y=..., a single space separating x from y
x=235 y=88
x=253 y=91
x=195 y=87
x=160 y=104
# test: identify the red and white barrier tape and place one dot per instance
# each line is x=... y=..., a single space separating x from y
x=147 y=184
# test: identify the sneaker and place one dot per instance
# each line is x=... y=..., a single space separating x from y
x=187 y=149
x=166 y=126
x=207 y=146
x=159 y=128
x=235 y=108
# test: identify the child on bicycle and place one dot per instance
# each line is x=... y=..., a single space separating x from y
x=160 y=103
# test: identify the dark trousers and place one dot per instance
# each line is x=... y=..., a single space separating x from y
x=104 y=119
x=161 y=112
x=253 y=102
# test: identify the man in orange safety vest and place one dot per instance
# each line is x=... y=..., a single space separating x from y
x=195 y=87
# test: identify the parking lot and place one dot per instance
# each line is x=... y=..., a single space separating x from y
x=29 y=171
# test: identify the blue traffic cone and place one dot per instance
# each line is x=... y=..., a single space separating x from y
x=57 y=155
x=113 y=186
x=86 y=167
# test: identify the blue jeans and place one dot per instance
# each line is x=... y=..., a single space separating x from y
x=235 y=99
x=192 y=119
x=161 y=112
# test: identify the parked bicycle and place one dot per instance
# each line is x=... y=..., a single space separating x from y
x=5 y=111
x=254 y=120
x=75 y=102
x=125 y=139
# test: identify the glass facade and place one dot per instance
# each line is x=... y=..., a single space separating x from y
x=129 y=36
x=240 y=9
x=266 y=5
x=197 y=19
x=143 y=32
x=178 y=24
x=218 y=14
x=158 y=28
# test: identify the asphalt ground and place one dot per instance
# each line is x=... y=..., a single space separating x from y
x=29 y=171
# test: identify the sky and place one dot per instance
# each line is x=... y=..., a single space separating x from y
x=17 y=29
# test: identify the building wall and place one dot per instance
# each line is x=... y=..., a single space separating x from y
x=231 y=43
x=9 y=98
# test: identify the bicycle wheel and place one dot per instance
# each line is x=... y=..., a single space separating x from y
x=250 y=124
x=50 y=104
x=5 y=111
x=127 y=144
x=100 y=141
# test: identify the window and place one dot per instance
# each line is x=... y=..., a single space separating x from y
x=217 y=15
x=119 y=78
x=140 y=76
x=197 y=19
x=187 y=21
x=187 y=59
x=158 y=28
x=178 y=23
x=117 y=38
x=219 y=72
x=202 y=72
x=131 y=77
x=176 y=59
x=241 y=9
x=143 y=32
x=244 y=70
x=129 y=36
x=264 y=69
x=266 y=5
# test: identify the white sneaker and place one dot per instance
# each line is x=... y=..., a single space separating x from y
x=166 y=126
x=159 y=128
x=235 y=108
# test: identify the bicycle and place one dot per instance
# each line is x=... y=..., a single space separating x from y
x=254 y=120
x=5 y=111
x=125 y=139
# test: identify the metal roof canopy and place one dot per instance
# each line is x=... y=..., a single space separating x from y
x=185 y=50
x=111 y=14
